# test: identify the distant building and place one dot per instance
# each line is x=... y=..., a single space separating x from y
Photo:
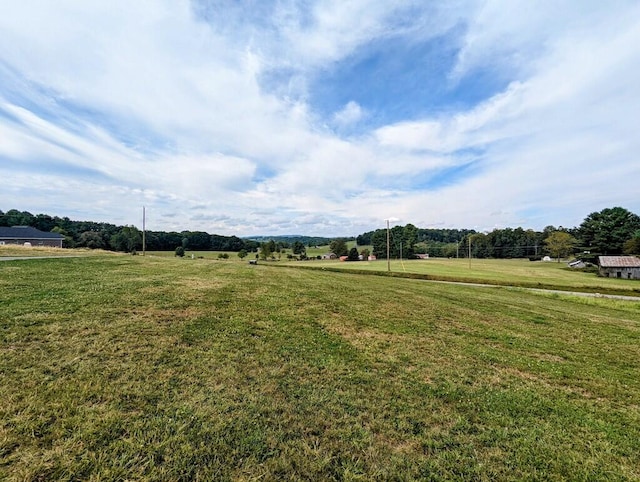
x=422 y=256
x=28 y=236
x=329 y=256
x=626 y=267
x=372 y=257
x=578 y=263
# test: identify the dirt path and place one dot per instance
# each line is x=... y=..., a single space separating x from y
x=14 y=258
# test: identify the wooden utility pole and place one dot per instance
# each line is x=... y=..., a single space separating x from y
x=388 y=262
x=469 y=251
x=144 y=240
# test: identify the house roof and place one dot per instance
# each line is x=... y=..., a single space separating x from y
x=26 y=232
x=619 y=261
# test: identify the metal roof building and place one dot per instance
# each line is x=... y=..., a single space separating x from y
x=627 y=267
x=27 y=234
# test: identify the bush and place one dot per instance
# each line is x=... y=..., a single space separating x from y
x=180 y=251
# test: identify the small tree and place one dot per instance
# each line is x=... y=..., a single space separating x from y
x=365 y=253
x=560 y=244
x=299 y=248
x=242 y=254
x=179 y=251
x=265 y=250
x=339 y=247
x=353 y=254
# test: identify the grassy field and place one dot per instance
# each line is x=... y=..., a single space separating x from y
x=507 y=272
x=124 y=367
x=312 y=252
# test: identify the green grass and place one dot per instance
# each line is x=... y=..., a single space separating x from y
x=507 y=272
x=314 y=251
x=122 y=367
x=233 y=255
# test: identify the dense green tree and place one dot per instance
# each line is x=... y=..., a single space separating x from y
x=92 y=240
x=560 y=244
x=299 y=248
x=481 y=246
x=266 y=250
x=163 y=241
x=234 y=243
x=43 y=222
x=379 y=243
x=339 y=247
x=632 y=246
x=450 y=250
x=605 y=232
x=353 y=254
x=68 y=240
x=364 y=239
x=197 y=240
x=179 y=251
x=365 y=253
x=13 y=217
x=128 y=239
x=242 y=254
x=409 y=239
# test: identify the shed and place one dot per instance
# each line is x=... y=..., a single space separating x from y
x=26 y=235
x=627 y=267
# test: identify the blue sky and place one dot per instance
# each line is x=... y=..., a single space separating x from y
x=320 y=117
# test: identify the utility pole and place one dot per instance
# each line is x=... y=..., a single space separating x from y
x=388 y=262
x=144 y=240
x=469 y=251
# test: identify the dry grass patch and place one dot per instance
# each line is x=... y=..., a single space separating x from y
x=130 y=368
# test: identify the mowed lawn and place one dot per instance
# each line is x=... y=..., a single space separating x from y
x=124 y=368
x=514 y=272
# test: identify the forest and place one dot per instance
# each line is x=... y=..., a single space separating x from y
x=610 y=231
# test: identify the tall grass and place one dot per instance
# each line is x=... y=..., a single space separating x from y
x=161 y=369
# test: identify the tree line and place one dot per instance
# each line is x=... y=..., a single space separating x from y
x=95 y=235
x=612 y=231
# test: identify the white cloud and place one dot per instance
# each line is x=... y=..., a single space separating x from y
x=169 y=109
x=349 y=115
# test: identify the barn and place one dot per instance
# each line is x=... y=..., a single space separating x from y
x=626 y=267
x=26 y=235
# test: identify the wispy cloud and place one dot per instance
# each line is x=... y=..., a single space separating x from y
x=228 y=111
